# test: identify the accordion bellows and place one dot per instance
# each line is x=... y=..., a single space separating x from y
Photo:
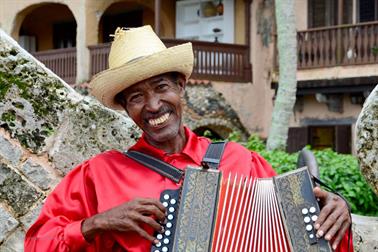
x=221 y=214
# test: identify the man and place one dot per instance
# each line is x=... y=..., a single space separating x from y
x=109 y=203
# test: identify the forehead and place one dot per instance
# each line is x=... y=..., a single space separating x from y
x=149 y=81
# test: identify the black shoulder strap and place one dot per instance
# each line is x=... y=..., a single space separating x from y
x=156 y=165
x=211 y=160
x=213 y=155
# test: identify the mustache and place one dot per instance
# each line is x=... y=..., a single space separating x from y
x=147 y=115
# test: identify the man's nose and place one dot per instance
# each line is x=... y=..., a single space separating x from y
x=153 y=103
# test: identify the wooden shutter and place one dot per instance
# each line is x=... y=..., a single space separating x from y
x=343 y=139
x=297 y=139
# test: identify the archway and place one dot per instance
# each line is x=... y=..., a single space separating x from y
x=45 y=26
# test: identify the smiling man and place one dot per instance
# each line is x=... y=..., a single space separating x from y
x=110 y=202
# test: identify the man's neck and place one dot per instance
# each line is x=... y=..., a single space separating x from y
x=171 y=146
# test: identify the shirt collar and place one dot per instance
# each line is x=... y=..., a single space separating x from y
x=192 y=149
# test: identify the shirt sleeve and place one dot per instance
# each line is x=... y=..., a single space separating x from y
x=260 y=167
x=58 y=227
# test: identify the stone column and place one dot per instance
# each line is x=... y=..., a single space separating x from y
x=82 y=51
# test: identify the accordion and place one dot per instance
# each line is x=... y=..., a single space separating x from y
x=217 y=214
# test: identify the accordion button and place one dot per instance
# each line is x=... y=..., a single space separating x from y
x=164 y=249
x=312 y=209
x=166 y=241
x=173 y=201
x=167 y=233
x=307 y=219
x=158 y=245
x=311 y=236
x=171 y=209
x=170 y=217
x=166 y=196
x=159 y=236
x=314 y=218
x=156 y=250
x=304 y=211
x=169 y=224
x=165 y=204
x=308 y=227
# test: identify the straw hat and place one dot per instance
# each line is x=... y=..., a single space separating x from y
x=137 y=54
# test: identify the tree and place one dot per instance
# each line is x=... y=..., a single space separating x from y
x=287 y=87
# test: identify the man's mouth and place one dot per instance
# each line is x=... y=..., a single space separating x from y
x=160 y=120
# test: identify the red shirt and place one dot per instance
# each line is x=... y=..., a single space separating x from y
x=110 y=179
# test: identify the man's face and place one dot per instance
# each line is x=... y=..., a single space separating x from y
x=155 y=106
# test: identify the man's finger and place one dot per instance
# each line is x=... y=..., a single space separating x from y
x=155 y=202
x=150 y=222
x=340 y=235
x=323 y=215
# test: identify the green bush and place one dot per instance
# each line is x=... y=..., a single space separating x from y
x=339 y=171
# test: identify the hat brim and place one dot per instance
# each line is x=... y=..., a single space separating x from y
x=107 y=84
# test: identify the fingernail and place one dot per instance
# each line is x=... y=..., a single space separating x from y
x=334 y=246
x=156 y=241
x=162 y=230
x=319 y=233
x=317 y=226
x=328 y=237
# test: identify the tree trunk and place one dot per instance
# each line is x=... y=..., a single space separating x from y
x=287 y=51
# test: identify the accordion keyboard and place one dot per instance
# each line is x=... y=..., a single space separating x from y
x=170 y=199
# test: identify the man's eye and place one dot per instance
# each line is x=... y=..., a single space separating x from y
x=162 y=86
x=135 y=98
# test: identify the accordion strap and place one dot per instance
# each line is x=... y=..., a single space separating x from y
x=156 y=165
x=211 y=160
x=213 y=155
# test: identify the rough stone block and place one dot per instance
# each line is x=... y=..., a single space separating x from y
x=37 y=174
x=15 y=242
x=8 y=223
x=28 y=219
x=9 y=151
x=367 y=139
x=16 y=192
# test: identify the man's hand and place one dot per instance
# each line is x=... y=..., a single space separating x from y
x=127 y=218
x=334 y=218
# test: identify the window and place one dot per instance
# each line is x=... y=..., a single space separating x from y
x=367 y=10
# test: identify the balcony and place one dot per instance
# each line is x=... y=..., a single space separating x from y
x=213 y=61
x=338 y=46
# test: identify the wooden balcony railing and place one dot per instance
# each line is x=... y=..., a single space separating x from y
x=60 y=61
x=219 y=62
x=338 y=45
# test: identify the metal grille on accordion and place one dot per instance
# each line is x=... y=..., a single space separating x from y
x=214 y=213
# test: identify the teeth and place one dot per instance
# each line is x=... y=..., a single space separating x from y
x=160 y=120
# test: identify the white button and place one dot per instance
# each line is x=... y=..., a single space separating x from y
x=167 y=233
x=304 y=211
x=164 y=249
x=169 y=224
x=306 y=219
x=166 y=241
x=171 y=209
x=311 y=236
x=314 y=218
x=308 y=227
x=165 y=204
x=312 y=209
x=157 y=250
x=166 y=196
x=158 y=245
x=170 y=217
x=173 y=201
x=159 y=236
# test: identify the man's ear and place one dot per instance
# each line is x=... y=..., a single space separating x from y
x=181 y=82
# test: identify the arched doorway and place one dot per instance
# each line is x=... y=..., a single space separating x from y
x=123 y=14
x=46 y=26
